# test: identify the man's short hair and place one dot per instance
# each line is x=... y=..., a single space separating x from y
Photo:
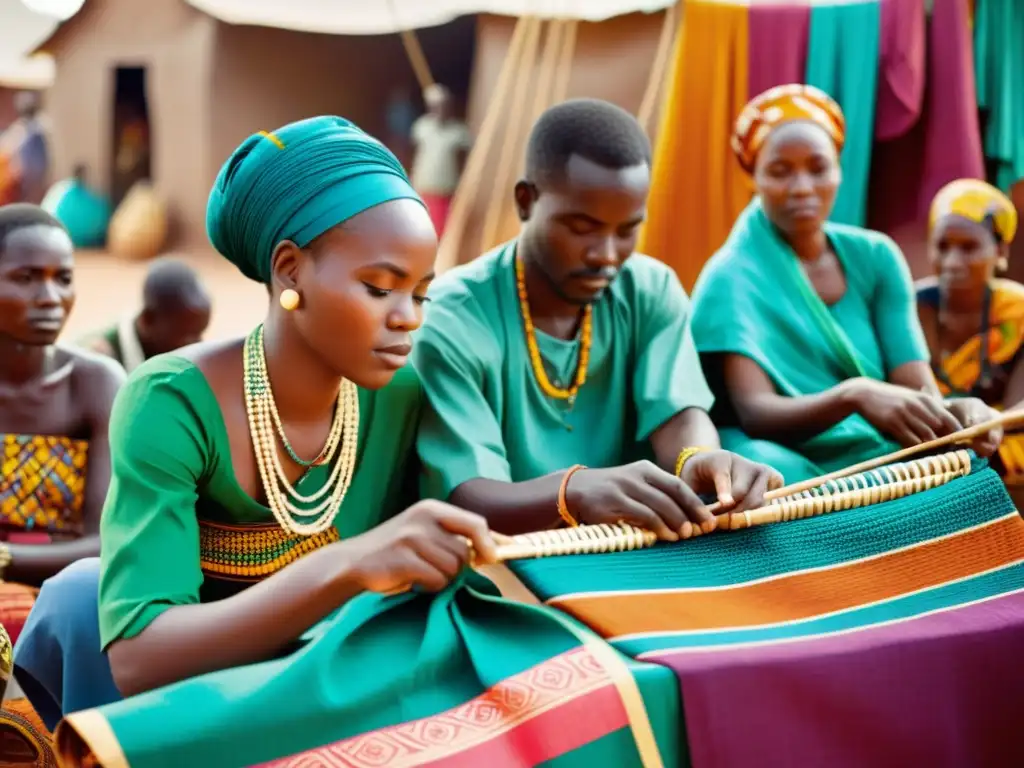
x=595 y=130
x=19 y=216
x=171 y=284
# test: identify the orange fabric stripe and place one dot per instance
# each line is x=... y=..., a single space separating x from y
x=698 y=187
x=805 y=595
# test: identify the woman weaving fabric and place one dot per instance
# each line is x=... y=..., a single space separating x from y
x=233 y=460
x=807 y=329
x=974 y=321
x=54 y=407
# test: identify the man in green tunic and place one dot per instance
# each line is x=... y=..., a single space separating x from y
x=565 y=348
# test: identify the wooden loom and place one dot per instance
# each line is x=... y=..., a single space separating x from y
x=872 y=482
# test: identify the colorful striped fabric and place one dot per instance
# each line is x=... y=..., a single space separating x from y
x=462 y=679
x=885 y=635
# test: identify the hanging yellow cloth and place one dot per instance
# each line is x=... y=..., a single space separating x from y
x=698 y=188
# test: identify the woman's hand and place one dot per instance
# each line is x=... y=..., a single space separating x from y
x=737 y=482
x=970 y=411
x=426 y=546
x=909 y=417
x=640 y=494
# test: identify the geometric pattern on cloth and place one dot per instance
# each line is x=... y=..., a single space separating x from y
x=514 y=701
x=24 y=740
x=42 y=483
x=250 y=553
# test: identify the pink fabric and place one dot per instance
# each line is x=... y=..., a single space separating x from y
x=945 y=143
x=835 y=700
x=777 y=45
x=438 y=207
x=901 y=68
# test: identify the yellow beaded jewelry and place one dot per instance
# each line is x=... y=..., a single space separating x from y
x=684 y=456
x=284 y=500
x=536 y=362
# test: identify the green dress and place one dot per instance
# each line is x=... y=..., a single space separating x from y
x=753 y=299
x=464 y=677
x=488 y=416
x=177 y=528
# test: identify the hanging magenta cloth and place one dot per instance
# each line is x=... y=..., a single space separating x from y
x=901 y=70
x=945 y=144
x=777 y=45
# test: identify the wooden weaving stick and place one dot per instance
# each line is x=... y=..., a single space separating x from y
x=851 y=492
x=962 y=437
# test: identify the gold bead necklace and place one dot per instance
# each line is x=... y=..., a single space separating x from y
x=536 y=361
x=265 y=429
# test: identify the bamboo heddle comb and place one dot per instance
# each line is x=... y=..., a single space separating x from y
x=963 y=437
x=826 y=494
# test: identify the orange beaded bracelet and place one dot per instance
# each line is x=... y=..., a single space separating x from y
x=563 y=508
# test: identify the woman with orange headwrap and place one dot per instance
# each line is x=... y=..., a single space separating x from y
x=974 y=321
x=807 y=329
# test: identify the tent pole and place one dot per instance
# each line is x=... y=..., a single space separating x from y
x=509 y=148
x=666 y=42
x=565 y=60
x=469 y=186
x=549 y=78
x=413 y=50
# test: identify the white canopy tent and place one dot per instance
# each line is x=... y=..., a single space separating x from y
x=371 y=17
x=22 y=29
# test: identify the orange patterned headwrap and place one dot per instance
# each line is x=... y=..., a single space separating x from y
x=784 y=104
x=978 y=202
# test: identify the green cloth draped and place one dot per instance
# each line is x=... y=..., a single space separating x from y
x=998 y=70
x=842 y=60
x=469 y=678
x=295 y=184
x=753 y=299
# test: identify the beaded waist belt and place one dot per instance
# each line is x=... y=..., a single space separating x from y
x=253 y=552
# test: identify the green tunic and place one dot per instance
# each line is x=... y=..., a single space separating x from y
x=488 y=416
x=172 y=468
x=753 y=299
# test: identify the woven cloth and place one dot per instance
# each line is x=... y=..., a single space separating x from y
x=875 y=636
x=24 y=740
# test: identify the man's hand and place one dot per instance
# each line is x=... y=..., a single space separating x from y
x=970 y=411
x=737 y=482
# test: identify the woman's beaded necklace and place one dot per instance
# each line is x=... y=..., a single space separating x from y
x=265 y=429
x=536 y=361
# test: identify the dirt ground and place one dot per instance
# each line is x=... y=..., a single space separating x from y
x=108 y=287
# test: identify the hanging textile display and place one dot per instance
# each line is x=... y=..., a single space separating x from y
x=999 y=69
x=698 y=188
x=945 y=143
x=778 y=44
x=842 y=60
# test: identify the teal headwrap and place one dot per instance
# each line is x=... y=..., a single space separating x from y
x=295 y=184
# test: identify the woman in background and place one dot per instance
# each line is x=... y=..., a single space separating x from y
x=807 y=329
x=55 y=405
x=973 y=320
